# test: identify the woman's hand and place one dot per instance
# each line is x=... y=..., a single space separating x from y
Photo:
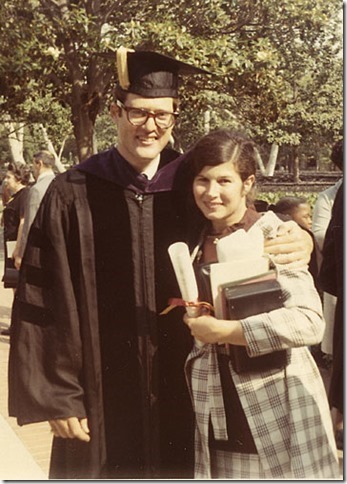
x=208 y=329
x=292 y=246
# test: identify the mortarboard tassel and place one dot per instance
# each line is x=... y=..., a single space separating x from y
x=122 y=67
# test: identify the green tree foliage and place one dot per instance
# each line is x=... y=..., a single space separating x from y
x=277 y=69
x=273 y=197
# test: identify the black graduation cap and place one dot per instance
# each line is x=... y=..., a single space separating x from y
x=150 y=74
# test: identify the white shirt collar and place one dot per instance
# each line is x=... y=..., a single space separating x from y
x=44 y=174
x=152 y=168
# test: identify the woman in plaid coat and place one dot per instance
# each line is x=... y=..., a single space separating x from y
x=270 y=423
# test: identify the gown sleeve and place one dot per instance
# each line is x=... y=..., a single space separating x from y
x=45 y=364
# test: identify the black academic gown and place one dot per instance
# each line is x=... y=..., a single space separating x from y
x=12 y=213
x=86 y=337
x=331 y=278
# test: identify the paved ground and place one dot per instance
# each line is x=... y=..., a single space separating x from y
x=25 y=451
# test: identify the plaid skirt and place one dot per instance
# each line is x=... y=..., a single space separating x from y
x=233 y=465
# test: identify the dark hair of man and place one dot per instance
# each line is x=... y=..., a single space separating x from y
x=287 y=204
x=337 y=154
x=20 y=171
x=46 y=157
x=222 y=146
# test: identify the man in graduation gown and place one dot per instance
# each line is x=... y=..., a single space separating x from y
x=89 y=352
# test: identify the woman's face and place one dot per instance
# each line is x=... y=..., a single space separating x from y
x=12 y=183
x=220 y=194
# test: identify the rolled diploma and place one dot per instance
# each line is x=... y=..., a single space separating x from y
x=183 y=267
x=180 y=258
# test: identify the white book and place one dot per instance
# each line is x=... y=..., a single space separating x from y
x=225 y=272
x=10 y=246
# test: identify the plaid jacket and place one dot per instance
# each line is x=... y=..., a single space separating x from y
x=287 y=409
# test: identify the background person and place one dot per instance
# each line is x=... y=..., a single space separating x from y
x=43 y=171
x=16 y=180
x=331 y=278
x=297 y=208
x=322 y=211
x=261 y=424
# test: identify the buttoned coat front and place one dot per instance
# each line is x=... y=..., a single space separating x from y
x=287 y=410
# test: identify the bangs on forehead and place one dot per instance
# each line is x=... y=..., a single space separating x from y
x=224 y=146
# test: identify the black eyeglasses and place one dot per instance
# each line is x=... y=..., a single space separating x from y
x=138 y=117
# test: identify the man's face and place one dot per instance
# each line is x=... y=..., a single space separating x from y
x=36 y=169
x=302 y=215
x=139 y=145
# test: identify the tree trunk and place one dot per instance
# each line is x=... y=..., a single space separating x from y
x=15 y=139
x=84 y=111
x=259 y=161
x=296 y=167
x=85 y=100
x=271 y=165
x=89 y=82
x=60 y=167
x=83 y=131
x=207 y=119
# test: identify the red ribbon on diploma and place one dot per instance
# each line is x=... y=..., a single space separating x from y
x=206 y=308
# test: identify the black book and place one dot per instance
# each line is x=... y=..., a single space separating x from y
x=249 y=297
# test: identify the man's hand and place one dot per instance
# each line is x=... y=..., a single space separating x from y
x=71 y=428
x=292 y=246
x=17 y=262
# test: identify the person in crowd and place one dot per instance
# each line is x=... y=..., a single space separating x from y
x=331 y=278
x=5 y=196
x=320 y=220
x=261 y=205
x=297 y=208
x=104 y=369
x=16 y=181
x=43 y=171
x=264 y=423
